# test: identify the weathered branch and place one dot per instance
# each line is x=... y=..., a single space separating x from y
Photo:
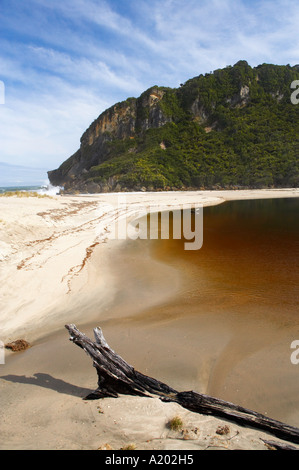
x=278 y=445
x=116 y=376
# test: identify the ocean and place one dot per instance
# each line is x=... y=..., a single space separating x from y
x=46 y=188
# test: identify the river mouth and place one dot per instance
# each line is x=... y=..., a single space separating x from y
x=219 y=320
x=230 y=313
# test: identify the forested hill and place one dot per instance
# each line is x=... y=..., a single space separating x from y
x=233 y=128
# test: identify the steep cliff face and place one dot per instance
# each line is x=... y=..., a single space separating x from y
x=233 y=127
x=121 y=121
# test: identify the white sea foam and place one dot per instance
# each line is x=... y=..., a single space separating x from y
x=49 y=189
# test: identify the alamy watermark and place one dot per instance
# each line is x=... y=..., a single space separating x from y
x=295 y=354
x=157 y=221
x=295 y=94
x=2 y=353
x=2 y=92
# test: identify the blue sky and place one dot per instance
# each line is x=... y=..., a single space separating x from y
x=63 y=62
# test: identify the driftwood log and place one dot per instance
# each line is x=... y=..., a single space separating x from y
x=116 y=376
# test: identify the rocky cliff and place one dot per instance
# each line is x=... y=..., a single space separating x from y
x=122 y=121
x=233 y=127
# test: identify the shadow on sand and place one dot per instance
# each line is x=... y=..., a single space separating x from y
x=47 y=381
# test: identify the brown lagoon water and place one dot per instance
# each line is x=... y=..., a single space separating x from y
x=229 y=321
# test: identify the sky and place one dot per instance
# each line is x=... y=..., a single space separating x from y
x=63 y=62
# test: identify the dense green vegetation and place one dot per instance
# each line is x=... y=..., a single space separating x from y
x=235 y=127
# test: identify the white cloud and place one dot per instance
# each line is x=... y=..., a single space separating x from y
x=83 y=70
x=44 y=130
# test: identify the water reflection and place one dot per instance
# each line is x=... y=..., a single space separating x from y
x=229 y=329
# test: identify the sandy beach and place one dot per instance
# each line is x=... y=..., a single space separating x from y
x=58 y=265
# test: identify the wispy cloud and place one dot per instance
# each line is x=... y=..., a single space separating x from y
x=64 y=62
x=14 y=175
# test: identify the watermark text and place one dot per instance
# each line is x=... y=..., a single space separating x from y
x=295 y=94
x=158 y=221
x=2 y=353
x=295 y=354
